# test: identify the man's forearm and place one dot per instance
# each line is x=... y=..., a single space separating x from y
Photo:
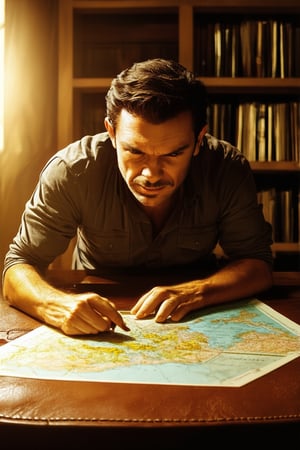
x=25 y=289
x=238 y=279
x=81 y=313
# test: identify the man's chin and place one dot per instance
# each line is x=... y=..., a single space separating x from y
x=147 y=200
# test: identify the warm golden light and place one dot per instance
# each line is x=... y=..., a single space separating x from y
x=2 y=15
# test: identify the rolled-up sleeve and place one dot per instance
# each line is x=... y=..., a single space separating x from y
x=244 y=232
x=49 y=221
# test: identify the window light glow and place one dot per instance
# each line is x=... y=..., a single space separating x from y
x=2 y=28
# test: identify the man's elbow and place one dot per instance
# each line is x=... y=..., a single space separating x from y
x=265 y=271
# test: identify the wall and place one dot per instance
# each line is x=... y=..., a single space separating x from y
x=30 y=106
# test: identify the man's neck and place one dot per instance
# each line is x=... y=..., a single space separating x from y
x=159 y=215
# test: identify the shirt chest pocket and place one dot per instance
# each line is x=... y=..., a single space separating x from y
x=111 y=248
x=201 y=240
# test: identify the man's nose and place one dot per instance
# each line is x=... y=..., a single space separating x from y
x=152 y=168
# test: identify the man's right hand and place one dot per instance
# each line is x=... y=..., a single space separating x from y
x=75 y=314
x=85 y=313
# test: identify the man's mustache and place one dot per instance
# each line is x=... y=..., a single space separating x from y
x=148 y=184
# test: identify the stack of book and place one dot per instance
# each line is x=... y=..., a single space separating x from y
x=247 y=48
x=262 y=131
x=281 y=208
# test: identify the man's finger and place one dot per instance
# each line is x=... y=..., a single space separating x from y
x=105 y=308
x=151 y=301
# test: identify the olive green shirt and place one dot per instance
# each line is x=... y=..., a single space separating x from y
x=81 y=192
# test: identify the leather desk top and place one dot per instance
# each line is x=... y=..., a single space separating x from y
x=273 y=398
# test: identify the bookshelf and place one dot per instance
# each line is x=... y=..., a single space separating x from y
x=97 y=39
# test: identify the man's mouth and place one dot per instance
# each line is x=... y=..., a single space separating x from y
x=150 y=187
x=142 y=189
x=139 y=181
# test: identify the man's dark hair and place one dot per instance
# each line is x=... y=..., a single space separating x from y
x=157 y=90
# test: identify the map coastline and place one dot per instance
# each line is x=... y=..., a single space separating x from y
x=229 y=345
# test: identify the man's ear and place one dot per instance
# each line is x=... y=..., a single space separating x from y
x=111 y=131
x=199 y=139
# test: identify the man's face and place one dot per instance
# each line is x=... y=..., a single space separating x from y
x=154 y=159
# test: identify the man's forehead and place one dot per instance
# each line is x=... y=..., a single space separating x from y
x=128 y=115
x=134 y=133
x=131 y=124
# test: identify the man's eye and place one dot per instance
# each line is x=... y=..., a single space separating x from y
x=134 y=151
x=174 y=154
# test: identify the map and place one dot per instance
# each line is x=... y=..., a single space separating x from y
x=223 y=346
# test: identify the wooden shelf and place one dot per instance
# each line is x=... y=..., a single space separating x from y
x=275 y=166
x=289 y=247
x=252 y=85
x=228 y=5
x=76 y=89
x=228 y=85
x=92 y=84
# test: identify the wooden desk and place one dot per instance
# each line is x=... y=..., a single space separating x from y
x=148 y=416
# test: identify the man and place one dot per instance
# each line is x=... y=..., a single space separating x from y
x=155 y=191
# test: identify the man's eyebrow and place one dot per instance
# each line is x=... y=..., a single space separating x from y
x=181 y=148
x=130 y=147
